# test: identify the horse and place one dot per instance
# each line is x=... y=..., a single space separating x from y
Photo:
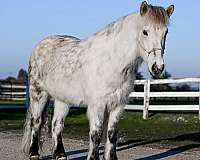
x=98 y=72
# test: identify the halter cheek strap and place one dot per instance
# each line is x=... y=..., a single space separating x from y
x=152 y=50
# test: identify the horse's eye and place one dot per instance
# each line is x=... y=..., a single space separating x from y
x=145 y=33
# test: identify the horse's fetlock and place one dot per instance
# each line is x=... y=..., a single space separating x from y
x=33 y=152
x=113 y=154
x=59 y=152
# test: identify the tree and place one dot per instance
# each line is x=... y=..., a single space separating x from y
x=10 y=78
x=139 y=76
x=183 y=87
x=22 y=75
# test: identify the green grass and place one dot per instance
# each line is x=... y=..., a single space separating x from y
x=12 y=118
x=17 y=102
x=163 y=128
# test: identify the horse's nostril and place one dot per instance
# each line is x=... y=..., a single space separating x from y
x=157 y=70
x=154 y=67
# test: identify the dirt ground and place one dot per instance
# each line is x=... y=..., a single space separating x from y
x=77 y=150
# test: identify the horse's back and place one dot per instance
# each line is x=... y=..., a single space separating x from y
x=44 y=55
x=50 y=44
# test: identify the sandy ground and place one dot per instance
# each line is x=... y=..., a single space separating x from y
x=77 y=150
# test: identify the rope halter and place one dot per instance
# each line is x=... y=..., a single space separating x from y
x=152 y=50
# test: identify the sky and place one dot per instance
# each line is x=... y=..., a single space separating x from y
x=24 y=23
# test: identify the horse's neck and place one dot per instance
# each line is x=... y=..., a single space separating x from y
x=126 y=44
x=122 y=36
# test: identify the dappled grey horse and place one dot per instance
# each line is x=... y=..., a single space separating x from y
x=98 y=72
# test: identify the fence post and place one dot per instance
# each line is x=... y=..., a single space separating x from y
x=199 y=100
x=11 y=91
x=146 y=98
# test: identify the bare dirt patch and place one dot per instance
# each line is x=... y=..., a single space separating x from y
x=10 y=142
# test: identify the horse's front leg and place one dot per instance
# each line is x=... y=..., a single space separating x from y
x=96 y=117
x=60 y=112
x=110 y=146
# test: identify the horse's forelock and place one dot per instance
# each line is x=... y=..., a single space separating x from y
x=157 y=15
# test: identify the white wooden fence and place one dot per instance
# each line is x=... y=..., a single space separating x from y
x=147 y=94
x=12 y=93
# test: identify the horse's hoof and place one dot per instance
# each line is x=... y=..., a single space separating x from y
x=34 y=157
x=61 y=158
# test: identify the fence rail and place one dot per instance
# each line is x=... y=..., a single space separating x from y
x=147 y=95
x=13 y=90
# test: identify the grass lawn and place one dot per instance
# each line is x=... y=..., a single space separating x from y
x=17 y=102
x=163 y=128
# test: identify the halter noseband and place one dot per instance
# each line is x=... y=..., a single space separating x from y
x=152 y=50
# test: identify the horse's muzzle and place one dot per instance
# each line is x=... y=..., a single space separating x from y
x=156 y=71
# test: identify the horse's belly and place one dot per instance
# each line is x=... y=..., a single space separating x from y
x=69 y=92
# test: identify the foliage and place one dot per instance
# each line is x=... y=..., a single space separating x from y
x=22 y=75
x=139 y=76
x=183 y=87
x=10 y=78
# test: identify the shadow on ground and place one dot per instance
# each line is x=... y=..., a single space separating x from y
x=194 y=137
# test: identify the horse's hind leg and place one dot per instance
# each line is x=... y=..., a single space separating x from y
x=110 y=146
x=60 y=112
x=96 y=118
x=38 y=101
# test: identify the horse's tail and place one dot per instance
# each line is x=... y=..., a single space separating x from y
x=42 y=132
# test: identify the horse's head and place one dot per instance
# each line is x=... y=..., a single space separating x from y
x=152 y=36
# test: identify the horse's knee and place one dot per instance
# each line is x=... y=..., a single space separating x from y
x=57 y=125
x=112 y=135
x=36 y=122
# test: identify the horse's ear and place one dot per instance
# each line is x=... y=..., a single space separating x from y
x=170 y=10
x=143 y=8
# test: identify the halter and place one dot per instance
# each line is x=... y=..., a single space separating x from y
x=152 y=50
